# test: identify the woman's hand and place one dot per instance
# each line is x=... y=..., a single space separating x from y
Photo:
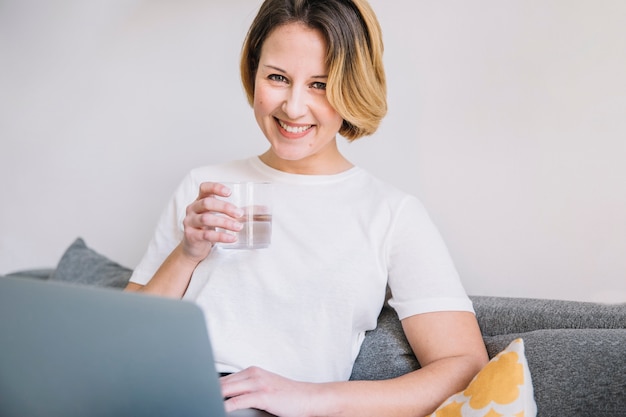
x=450 y=356
x=206 y=214
x=202 y=217
x=257 y=388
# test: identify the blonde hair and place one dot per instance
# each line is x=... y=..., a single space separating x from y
x=356 y=86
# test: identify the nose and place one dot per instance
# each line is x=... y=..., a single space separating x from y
x=295 y=103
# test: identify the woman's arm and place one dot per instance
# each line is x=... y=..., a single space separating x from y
x=200 y=234
x=448 y=345
x=172 y=277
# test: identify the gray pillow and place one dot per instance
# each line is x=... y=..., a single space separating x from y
x=82 y=265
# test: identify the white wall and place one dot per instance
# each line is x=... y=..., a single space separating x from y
x=508 y=119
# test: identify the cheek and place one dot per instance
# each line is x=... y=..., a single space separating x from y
x=258 y=98
x=332 y=117
x=262 y=101
x=327 y=111
x=261 y=108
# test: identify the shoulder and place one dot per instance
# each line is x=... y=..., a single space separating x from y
x=231 y=171
x=189 y=185
x=388 y=194
x=226 y=171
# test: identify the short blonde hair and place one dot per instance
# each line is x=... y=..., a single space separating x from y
x=356 y=86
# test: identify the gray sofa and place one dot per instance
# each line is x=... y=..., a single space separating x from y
x=576 y=351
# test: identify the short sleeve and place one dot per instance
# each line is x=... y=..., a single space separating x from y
x=168 y=233
x=422 y=275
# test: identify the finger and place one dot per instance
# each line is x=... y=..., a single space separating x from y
x=263 y=399
x=214 y=205
x=211 y=221
x=241 y=391
x=248 y=380
x=255 y=387
x=215 y=236
x=208 y=189
x=235 y=377
x=197 y=239
x=243 y=402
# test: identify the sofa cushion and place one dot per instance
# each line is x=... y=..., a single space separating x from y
x=42 y=273
x=385 y=352
x=576 y=372
x=82 y=265
x=503 y=387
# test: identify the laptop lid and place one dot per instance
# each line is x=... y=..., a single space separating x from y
x=68 y=350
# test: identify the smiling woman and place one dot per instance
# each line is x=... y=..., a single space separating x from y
x=356 y=86
x=312 y=70
x=290 y=103
x=505 y=119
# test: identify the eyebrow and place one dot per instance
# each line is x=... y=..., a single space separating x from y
x=285 y=72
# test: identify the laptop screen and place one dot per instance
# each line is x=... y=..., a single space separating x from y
x=70 y=350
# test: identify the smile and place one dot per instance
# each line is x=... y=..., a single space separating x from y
x=294 y=129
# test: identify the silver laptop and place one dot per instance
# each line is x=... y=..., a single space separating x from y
x=68 y=350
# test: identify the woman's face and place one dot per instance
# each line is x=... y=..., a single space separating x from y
x=290 y=102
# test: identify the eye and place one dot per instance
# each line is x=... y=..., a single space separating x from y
x=318 y=85
x=277 y=77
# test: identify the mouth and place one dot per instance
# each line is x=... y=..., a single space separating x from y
x=294 y=129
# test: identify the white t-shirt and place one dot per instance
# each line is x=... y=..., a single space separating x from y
x=300 y=308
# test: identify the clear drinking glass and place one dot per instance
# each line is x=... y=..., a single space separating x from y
x=255 y=199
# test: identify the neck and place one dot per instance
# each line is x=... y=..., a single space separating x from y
x=307 y=166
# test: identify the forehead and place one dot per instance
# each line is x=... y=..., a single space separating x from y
x=294 y=43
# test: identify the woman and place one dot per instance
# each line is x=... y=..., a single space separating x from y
x=287 y=322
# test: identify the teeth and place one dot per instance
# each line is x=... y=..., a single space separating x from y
x=294 y=129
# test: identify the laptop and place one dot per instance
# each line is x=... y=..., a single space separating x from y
x=69 y=350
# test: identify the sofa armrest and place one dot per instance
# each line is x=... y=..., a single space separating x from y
x=504 y=315
x=42 y=273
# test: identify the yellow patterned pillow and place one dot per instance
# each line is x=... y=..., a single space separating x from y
x=503 y=388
